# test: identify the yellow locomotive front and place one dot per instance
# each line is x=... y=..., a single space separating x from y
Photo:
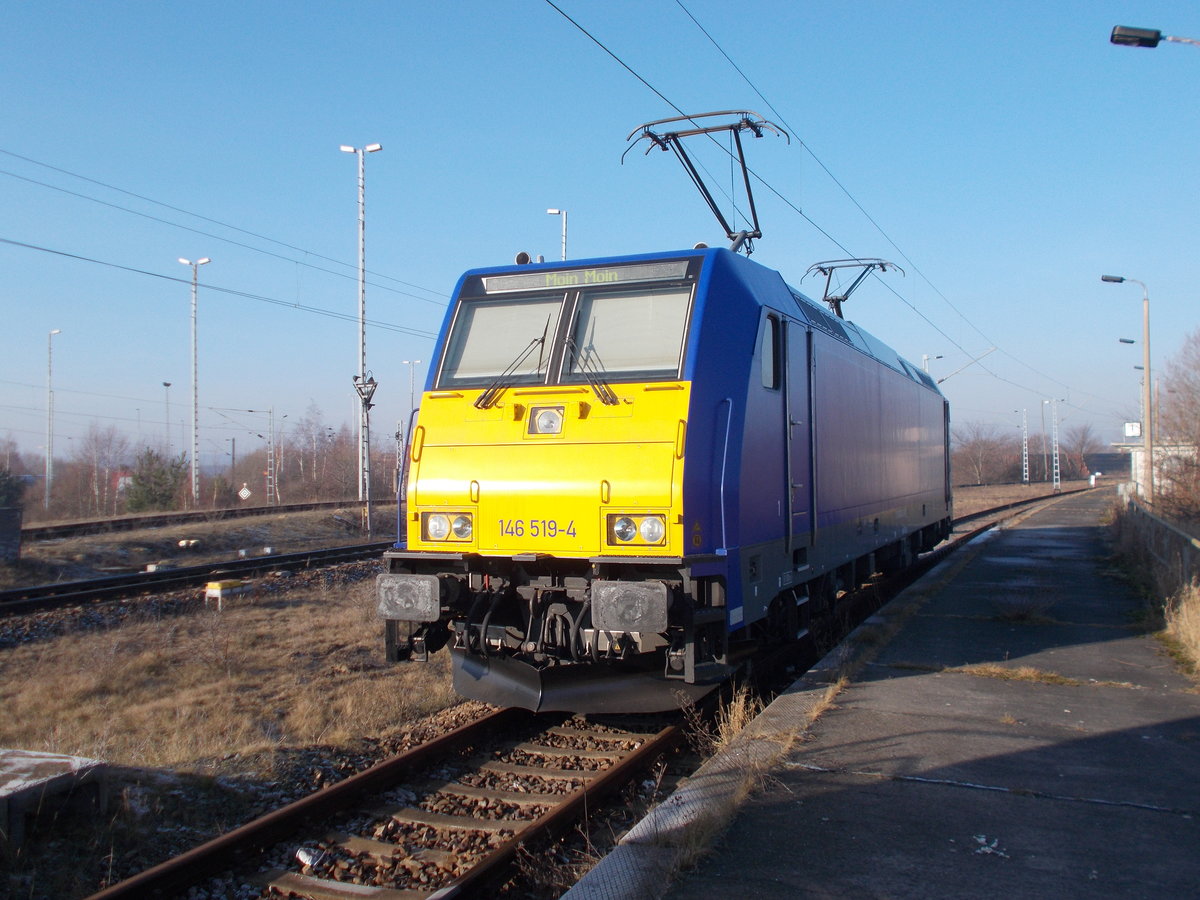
x=543 y=522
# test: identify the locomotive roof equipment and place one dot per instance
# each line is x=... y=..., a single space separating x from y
x=672 y=140
x=827 y=269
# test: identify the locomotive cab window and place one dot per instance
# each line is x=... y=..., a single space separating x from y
x=769 y=348
x=628 y=334
x=490 y=337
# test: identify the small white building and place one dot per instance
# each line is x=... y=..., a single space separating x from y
x=1172 y=463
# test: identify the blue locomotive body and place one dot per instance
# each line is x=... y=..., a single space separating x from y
x=824 y=446
x=688 y=461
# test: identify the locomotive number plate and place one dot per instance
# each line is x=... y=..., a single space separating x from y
x=548 y=528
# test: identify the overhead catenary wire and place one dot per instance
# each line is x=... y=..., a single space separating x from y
x=333 y=314
x=218 y=237
x=799 y=211
x=874 y=223
x=213 y=221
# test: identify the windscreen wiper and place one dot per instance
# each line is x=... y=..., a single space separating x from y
x=503 y=380
x=589 y=364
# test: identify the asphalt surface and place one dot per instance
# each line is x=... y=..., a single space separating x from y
x=932 y=777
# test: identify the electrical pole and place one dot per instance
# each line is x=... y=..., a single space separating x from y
x=50 y=414
x=195 y=391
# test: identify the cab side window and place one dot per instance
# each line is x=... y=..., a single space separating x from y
x=770 y=341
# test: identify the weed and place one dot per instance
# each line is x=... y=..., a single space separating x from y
x=1019 y=673
x=1182 y=615
x=1170 y=609
x=733 y=717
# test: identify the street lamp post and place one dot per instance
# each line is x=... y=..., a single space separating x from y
x=1147 y=436
x=195 y=394
x=412 y=386
x=49 y=415
x=360 y=380
x=563 y=213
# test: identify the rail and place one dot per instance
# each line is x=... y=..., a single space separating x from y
x=158 y=520
x=464 y=870
x=35 y=598
x=226 y=850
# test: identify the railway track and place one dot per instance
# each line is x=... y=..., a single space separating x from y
x=161 y=520
x=37 y=598
x=446 y=819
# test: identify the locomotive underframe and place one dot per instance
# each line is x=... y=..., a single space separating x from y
x=608 y=633
x=527 y=622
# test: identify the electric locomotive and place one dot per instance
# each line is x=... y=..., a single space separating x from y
x=626 y=473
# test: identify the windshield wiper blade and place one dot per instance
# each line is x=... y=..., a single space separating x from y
x=503 y=380
x=589 y=364
x=497 y=387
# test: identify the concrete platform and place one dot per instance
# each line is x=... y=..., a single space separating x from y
x=33 y=784
x=930 y=776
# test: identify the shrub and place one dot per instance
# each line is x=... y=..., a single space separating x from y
x=12 y=488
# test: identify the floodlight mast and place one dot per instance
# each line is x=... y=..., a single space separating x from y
x=672 y=140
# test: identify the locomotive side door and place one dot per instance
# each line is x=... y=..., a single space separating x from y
x=798 y=408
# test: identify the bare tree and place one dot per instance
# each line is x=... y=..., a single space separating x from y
x=982 y=453
x=1177 y=434
x=10 y=457
x=103 y=453
x=1076 y=445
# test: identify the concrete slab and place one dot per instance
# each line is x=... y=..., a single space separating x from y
x=933 y=778
x=34 y=783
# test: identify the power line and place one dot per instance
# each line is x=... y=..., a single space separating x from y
x=807 y=218
x=758 y=177
x=207 y=219
x=881 y=230
x=233 y=292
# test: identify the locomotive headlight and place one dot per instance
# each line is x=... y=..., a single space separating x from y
x=546 y=420
x=447 y=526
x=624 y=529
x=637 y=529
x=652 y=529
x=437 y=526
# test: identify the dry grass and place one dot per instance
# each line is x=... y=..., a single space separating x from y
x=733 y=717
x=290 y=669
x=1182 y=631
x=1171 y=609
x=1016 y=673
x=749 y=754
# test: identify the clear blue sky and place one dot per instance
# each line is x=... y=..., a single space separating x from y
x=1008 y=152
